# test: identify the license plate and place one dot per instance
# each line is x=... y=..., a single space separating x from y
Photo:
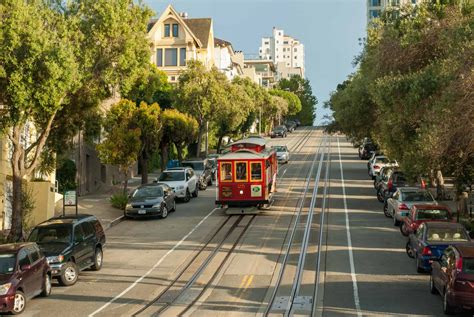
x=141 y=212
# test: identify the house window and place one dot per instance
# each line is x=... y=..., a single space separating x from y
x=167 y=30
x=295 y=50
x=182 y=56
x=413 y=1
x=159 y=57
x=279 y=33
x=296 y=57
x=266 y=43
x=173 y=78
x=175 y=30
x=285 y=42
x=171 y=57
x=284 y=49
x=374 y=13
x=375 y=3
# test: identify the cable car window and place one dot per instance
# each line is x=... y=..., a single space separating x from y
x=226 y=172
x=256 y=171
x=241 y=172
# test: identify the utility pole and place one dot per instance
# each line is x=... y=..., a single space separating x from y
x=260 y=123
x=207 y=138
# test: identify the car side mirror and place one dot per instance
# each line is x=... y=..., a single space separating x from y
x=25 y=267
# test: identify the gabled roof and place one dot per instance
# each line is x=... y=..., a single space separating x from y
x=220 y=42
x=201 y=28
x=151 y=23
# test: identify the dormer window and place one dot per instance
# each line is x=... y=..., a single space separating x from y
x=175 y=30
x=167 y=30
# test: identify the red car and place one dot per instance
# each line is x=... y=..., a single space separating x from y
x=453 y=277
x=24 y=274
x=424 y=213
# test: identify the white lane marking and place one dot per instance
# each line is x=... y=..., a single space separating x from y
x=153 y=268
x=349 y=240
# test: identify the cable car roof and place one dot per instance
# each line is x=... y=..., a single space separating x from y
x=257 y=141
x=245 y=154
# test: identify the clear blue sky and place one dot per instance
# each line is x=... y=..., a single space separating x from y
x=329 y=29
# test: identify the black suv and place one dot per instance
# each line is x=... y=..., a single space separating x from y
x=203 y=169
x=71 y=244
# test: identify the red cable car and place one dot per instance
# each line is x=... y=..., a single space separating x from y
x=247 y=175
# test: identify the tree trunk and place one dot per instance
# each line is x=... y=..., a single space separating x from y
x=125 y=183
x=200 y=134
x=219 y=143
x=164 y=155
x=16 y=231
x=144 y=164
x=179 y=149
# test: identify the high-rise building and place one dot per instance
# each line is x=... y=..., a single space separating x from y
x=285 y=52
x=376 y=7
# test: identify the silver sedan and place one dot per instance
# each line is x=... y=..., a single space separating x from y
x=399 y=204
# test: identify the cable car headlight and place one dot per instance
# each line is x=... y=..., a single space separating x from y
x=241 y=192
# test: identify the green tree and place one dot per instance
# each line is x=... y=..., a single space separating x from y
x=179 y=129
x=147 y=119
x=302 y=88
x=294 y=103
x=200 y=93
x=122 y=143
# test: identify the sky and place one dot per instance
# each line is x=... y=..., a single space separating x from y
x=329 y=29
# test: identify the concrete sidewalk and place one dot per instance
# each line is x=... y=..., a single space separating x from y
x=98 y=204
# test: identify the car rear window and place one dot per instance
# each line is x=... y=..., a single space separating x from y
x=432 y=214
x=51 y=234
x=171 y=176
x=417 y=196
x=280 y=148
x=468 y=265
x=382 y=160
x=7 y=263
x=446 y=235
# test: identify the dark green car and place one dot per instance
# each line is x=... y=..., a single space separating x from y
x=71 y=244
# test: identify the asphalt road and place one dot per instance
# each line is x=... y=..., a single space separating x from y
x=373 y=277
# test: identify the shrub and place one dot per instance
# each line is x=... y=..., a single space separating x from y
x=119 y=200
x=66 y=176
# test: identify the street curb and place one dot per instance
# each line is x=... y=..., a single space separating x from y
x=114 y=222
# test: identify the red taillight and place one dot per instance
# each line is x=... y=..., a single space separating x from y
x=376 y=167
x=403 y=207
x=426 y=251
x=390 y=184
x=423 y=184
x=459 y=264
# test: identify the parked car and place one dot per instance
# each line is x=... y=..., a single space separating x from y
x=279 y=131
x=24 y=274
x=213 y=162
x=290 y=125
x=151 y=200
x=203 y=170
x=282 y=152
x=431 y=239
x=452 y=276
x=388 y=186
x=398 y=206
x=378 y=163
x=297 y=121
x=182 y=180
x=424 y=213
x=385 y=172
x=71 y=244
x=366 y=149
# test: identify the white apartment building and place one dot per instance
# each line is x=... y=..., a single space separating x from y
x=225 y=59
x=375 y=7
x=283 y=50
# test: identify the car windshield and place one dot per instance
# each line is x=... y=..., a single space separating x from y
x=446 y=235
x=171 y=176
x=197 y=166
x=51 y=234
x=432 y=214
x=280 y=148
x=417 y=196
x=7 y=263
x=148 y=192
x=468 y=265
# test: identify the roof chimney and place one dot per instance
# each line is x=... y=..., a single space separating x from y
x=184 y=15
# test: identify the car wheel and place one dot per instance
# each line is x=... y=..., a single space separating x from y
x=403 y=229
x=46 y=286
x=395 y=221
x=209 y=183
x=380 y=196
x=19 y=303
x=409 y=250
x=98 y=259
x=417 y=265
x=385 y=211
x=447 y=308
x=69 y=274
x=187 y=197
x=375 y=184
x=433 y=289
x=196 y=192
x=174 y=205
x=164 y=212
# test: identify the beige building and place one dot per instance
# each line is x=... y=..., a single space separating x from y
x=262 y=70
x=175 y=38
x=226 y=60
